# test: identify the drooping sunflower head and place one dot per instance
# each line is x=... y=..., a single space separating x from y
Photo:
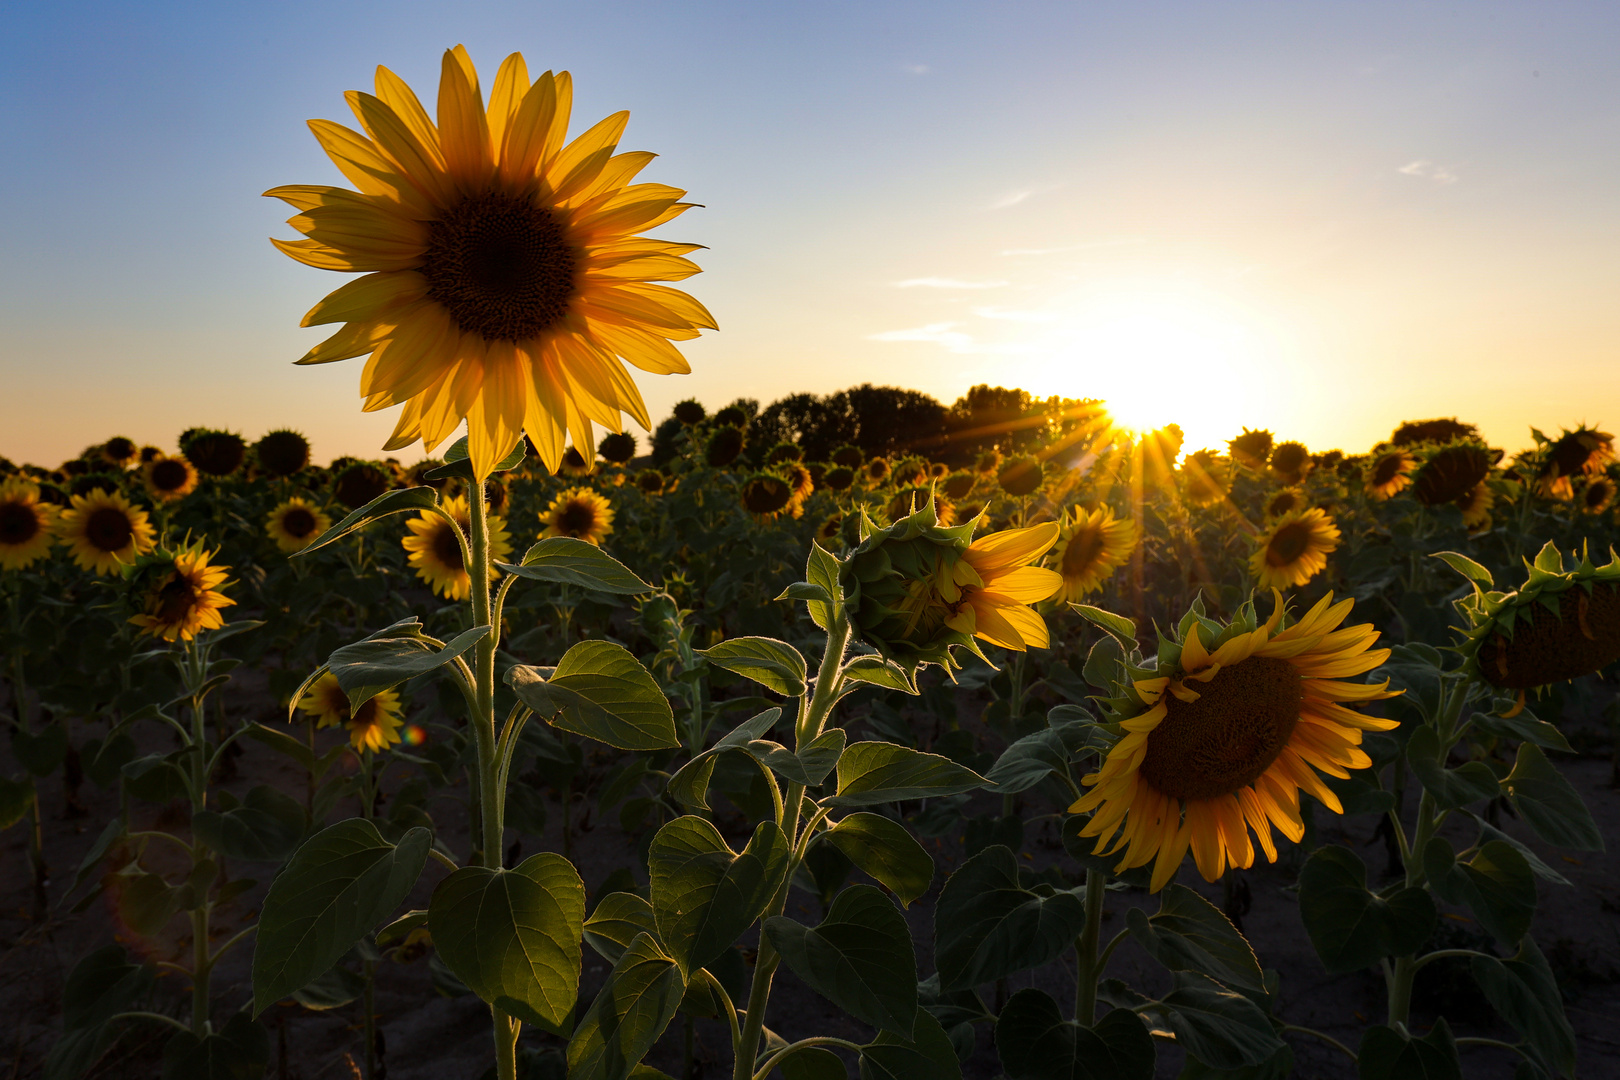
x=1251 y=449
x=1294 y=549
x=1444 y=430
x=1389 y=473
x=1020 y=476
x=26 y=524
x=214 y=453
x=296 y=523
x=875 y=472
x=830 y=532
x=1558 y=625
x=958 y=485
x=434 y=547
x=617 y=446
x=650 y=481
x=1091 y=545
x=784 y=452
x=359 y=483
x=765 y=495
x=505 y=277
x=732 y=416
x=1290 y=461
x=104 y=532
x=723 y=447
x=850 y=457
x=909 y=471
x=282 y=453
x=690 y=412
x=988 y=463
x=580 y=513
x=1221 y=733
x=916 y=589
x=1582 y=452
x=373 y=726
x=119 y=452
x=168 y=478
x=1597 y=495
x=839 y=478
x=179 y=593
x=1206 y=478
x=908 y=500
x=1450 y=472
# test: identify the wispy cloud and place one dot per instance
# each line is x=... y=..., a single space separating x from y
x=915 y=69
x=1011 y=315
x=1018 y=195
x=942 y=333
x=948 y=283
x=1062 y=249
x=1428 y=170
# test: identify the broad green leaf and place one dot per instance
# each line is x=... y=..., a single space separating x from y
x=1451 y=788
x=1034 y=757
x=1488 y=831
x=404 y=501
x=392 y=656
x=822 y=568
x=41 y=752
x=16 y=797
x=283 y=743
x=1524 y=992
x=1524 y=725
x=343 y=882
x=600 y=690
x=1221 y=1027
x=859 y=958
x=690 y=784
x=101 y=985
x=1118 y=627
x=337 y=988
x=987 y=925
x=810 y=594
x=1497 y=885
x=809 y=766
x=618 y=918
x=1549 y=804
x=513 y=936
x=1351 y=927
x=886 y=851
x=265 y=828
x=1386 y=1054
x=1468 y=568
x=773 y=664
x=458 y=463
x=398 y=930
x=1035 y=1042
x=567 y=561
x=928 y=1055
x=238 y=1051
x=628 y=1015
x=1188 y=933
x=880 y=672
x=704 y=895
x=871 y=773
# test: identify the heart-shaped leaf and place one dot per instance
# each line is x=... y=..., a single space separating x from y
x=704 y=895
x=1188 y=933
x=883 y=849
x=1549 y=804
x=987 y=925
x=859 y=958
x=1450 y=788
x=265 y=828
x=1497 y=885
x=927 y=1055
x=1351 y=927
x=1525 y=993
x=1221 y=1028
x=1386 y=1054
x=513 y=936
x=618 y=918
x=773 y=664
x=1035 y=1042
x=870 y=773
x=810 y=765
x=392 y=656
x=600 y=690
x=567 y=561
x=628 y=1014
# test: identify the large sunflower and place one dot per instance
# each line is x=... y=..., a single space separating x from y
x=182 y=597
x=373 y=726
x=1294 y=549
x=1225 y=735
x=25 y=524
x=1091 y=546
x=169 y=478
x=1389 y=473
x=435 y=549
x=580 y=513
x=103 y=531
x=295 y=523
x=504 y=277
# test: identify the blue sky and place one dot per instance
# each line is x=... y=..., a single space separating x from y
x=1319 y=217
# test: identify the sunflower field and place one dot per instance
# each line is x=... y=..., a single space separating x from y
x=849 y=736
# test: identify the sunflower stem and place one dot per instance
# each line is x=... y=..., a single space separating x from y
x=1087 y=969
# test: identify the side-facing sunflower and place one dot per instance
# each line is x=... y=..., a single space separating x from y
x=505 y=279
x=1284 y=502
x=103 y=531
x=180 y=593
x=839 y=478
x=875 y=472
x=26 y=524
x=830 y=531
x=435 y=550
x=1448 y=473
x=1388 y=474
x=580 y=513
x=988 y=463
x=1251 y=449
x=1289 y=462
x=1223 y=732
x=574 y=463
x=1091 y=545
x=1476 y=506
x=1582 y=452
x=650 y=481
x=1596 y=495
x=1294 y=549
x=120 y=452
x=766 y=495
x=169 y=478
x=373 y=726
x=295 y=524
x=799 y=479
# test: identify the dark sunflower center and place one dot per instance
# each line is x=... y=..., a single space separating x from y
x=19 y=523
x=175 y=599
x=446 y=548
x=298 y=522
x=576 y=519
x=1229 y=736
x=1583 y=637
x=169 y=475
x=109 y=529
x=1085 y=547
x=501 y=266
x=1289 y=544
x=366 y=715
x=1387 y=469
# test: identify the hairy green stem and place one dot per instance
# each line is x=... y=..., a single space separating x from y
x=1087 y=970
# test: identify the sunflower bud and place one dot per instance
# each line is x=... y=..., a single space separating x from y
x=903 y=584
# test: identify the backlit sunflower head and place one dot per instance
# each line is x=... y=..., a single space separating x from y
x=1476 y=506
x=732 y=416
x=574 y=464
x=916 y=589
x=766 y=495
x=1289 y=462
x=282 y=453
x=875 y=472
x=1388 y=474
x=505 y=277
x=1221 y=732
x=119 y=452
x=358 y=483
x=830 y=532
x=1206 y=478
x=691 y=411
x=1558 y=625
x=800 y=480
x=1449 y=429
x=1020 y=476
x=850 y=457
x=723 y=447
x=988 y=463
x=784 y=452
x=580 y=513
x=909 y=471
x=958 y=485
x=1582 y=452
x=1294 y=549
x=1091 y=545
x=295 y=524
x=373 y=726
x=168 y=478
x=434 y=547
x=214 y=453
x=26 y=524
x=839 y=478
x=1597 y=495
x=497 y=496
x=617 y=446
x=1448 y=473
x=650 y=481
x=1251 y=449
x=103 y=532
x=1284 y=502
x=149 y=453
x=180 y=593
